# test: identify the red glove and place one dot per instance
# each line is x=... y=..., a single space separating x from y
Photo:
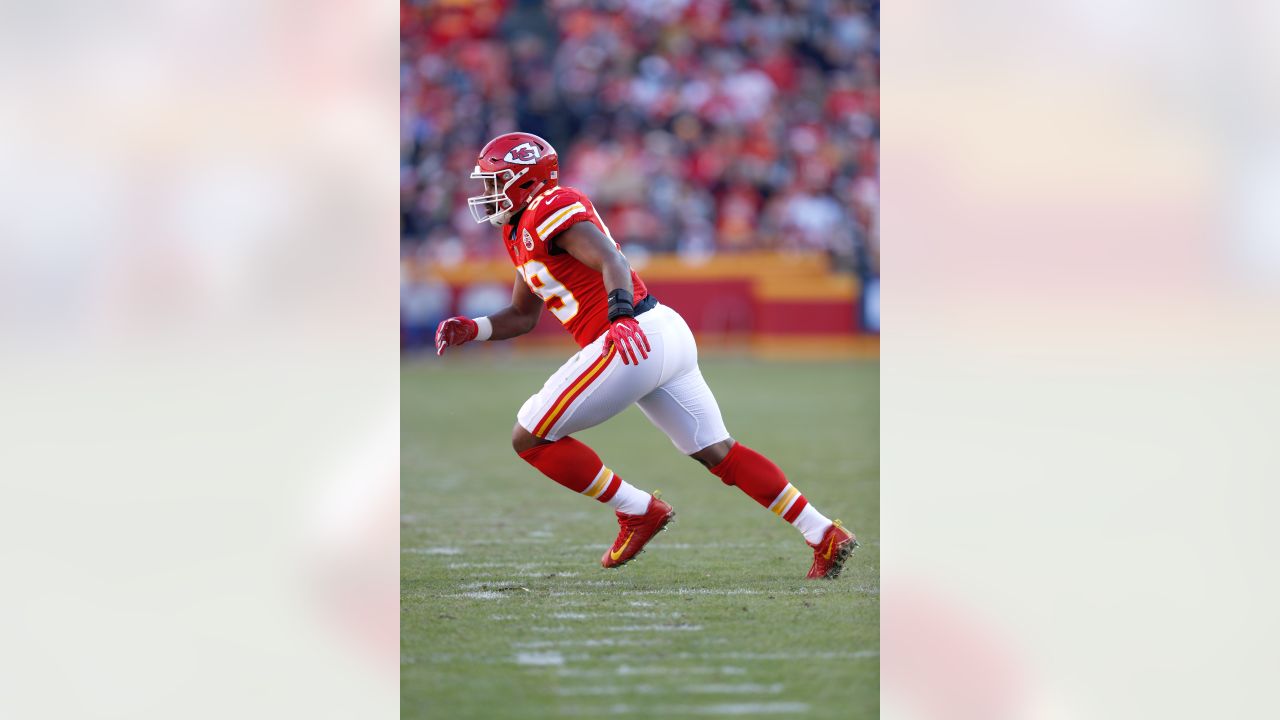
x=455 y=331
x=625 y=332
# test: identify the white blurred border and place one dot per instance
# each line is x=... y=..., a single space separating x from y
x=198 y=359
x=1080 y=238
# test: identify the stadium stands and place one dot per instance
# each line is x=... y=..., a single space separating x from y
x=700 y=128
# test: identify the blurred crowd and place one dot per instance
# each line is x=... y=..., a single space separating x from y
x=695 y=126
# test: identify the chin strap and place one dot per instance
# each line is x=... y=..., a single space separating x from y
x=532 y=194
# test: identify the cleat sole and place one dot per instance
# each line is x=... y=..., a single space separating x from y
x=841 y=556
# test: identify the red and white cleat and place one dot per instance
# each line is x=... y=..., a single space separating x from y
x=636 y=531
x=830 y=553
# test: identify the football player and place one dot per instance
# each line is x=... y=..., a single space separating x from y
x=635 y=350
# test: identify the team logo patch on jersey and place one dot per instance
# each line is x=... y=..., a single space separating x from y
x=528 y=241
x=526 y=153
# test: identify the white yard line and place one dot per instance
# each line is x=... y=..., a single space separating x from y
x=480 y=595
x=789 y=547
x=658 y=628
x=765 y=708
x=801 y=656
x=431 y=551
x=606 y=615
x=588 y=642
x=734 y=689
x=494 y=583
x=539 y=659
x=657 y=711
x=530 y=573
x=513 y=565
x=627 y=670
x=673 y=592
x=609 y=690
x=564 y=629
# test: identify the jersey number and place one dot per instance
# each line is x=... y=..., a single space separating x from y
x=557 y=297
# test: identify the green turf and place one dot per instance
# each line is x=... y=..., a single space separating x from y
x=506 y=612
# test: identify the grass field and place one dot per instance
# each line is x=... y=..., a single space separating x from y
x=506 y=612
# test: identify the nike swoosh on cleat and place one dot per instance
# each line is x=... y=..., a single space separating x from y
x=615 y=554
x=830 y=547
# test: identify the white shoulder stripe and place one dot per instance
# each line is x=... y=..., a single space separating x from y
x=558 y=219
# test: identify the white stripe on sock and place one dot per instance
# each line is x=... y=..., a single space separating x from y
x=773 y=505
x=600 y=482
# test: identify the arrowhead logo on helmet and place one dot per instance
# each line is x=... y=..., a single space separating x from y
x=525 y=153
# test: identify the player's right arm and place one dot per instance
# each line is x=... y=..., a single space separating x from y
x=520 y=316
x=511 y=321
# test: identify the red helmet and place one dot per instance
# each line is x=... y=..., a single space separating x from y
x=514 y=168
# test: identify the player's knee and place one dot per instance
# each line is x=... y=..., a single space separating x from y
x=523 y=440
x=713 y=455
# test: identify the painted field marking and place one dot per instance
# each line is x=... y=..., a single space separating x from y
x=609 y=690
x=560 y=629
x=628 y=670
x=431 y=551
x=734 y=689
x=652 y=711
x=674 y=592
x=539 y=659
x=608 y=615
x=588 y=642
x=789 y=547
x=479 y=595
x=512 y=565
x=767 y=708
x=707 y=689
x=482 y=584
x=658 y=628
x=818 y=655
x=532 y=573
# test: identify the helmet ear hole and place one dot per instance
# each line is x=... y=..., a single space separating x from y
x=527 y=185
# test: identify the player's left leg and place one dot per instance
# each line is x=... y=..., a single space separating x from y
x=686 y=410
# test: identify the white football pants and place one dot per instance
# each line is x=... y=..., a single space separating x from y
x=668 y=387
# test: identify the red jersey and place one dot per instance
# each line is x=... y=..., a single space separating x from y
x=573 y=292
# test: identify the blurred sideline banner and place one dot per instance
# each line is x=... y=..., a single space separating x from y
x=760 y=300
x=871 y=305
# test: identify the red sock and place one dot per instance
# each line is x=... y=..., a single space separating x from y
x=574 y=466
x=757 y=476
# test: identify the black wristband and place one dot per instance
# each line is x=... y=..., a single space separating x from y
x=620 y=305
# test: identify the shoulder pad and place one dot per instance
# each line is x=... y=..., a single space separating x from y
x=558 y=209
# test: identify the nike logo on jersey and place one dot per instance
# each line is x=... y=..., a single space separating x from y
x=615 y=554
x=550 y=197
